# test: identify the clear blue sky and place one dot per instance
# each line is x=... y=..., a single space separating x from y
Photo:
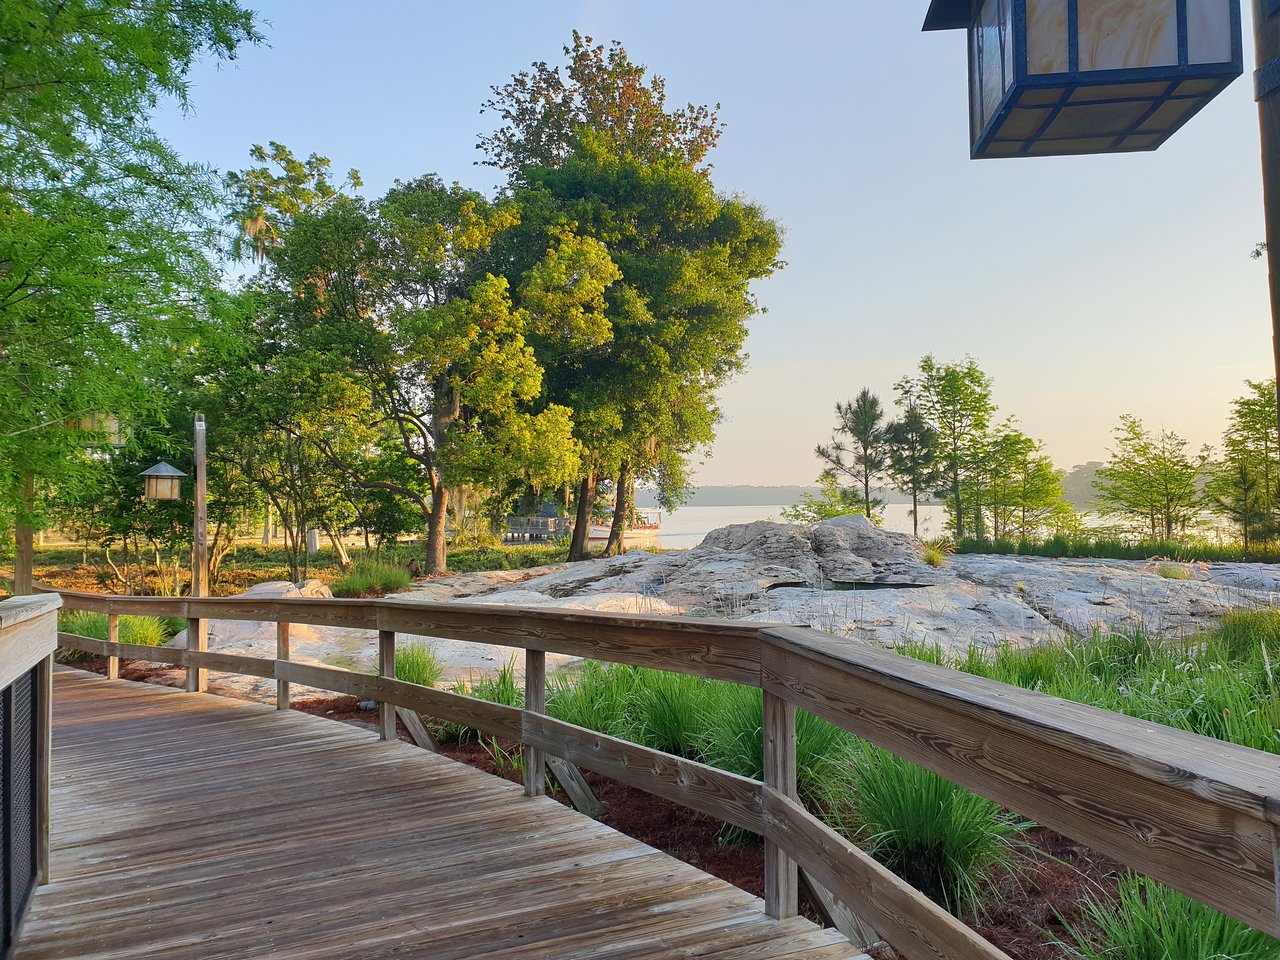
x=1087 y=287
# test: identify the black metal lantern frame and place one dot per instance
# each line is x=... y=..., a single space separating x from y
x=1038 y=90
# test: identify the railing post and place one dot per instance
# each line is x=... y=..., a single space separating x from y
x=781 y=879
x=387 y=668
x=282 y=653
x=113 y=636
x=535 y=701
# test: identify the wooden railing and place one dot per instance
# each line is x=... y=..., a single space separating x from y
x=1198 y=814
x=28 y=639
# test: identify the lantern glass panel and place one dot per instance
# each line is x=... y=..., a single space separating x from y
x=991 y=59
x=1127 y=34
x=1047 y=37
x=1208 y=31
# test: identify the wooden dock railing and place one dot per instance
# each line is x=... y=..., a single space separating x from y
x=1198 y=814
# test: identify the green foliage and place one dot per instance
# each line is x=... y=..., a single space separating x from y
x=515 y=557
x=913 y=458
x=1151 y=922
x=417 y=662
x=142 y=631
x=596 y=696
x=668 y=712
x=1151 y=479
x=504 y=688
x=859 y=448
x=368 y=578
x=103 y=230
x=934 y=555
x=1173 y=571
x=1105 y=547
x=949 y=843
x=833 y=501
x=733 y=741
x=955 y=400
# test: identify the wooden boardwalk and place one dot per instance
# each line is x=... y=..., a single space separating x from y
x=192 y=826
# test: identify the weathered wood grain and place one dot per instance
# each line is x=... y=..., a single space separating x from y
x=914 y=924
x=838 y=914
x=575 y=785
x=1161 y=801
x=30 y=636
x=491 y=718
x=317 y=841
x=535 y=701
x=387 y=668
x=113 y=636
x=708 y=790
x=781 y=880
x=418 y=731
x=282 y=653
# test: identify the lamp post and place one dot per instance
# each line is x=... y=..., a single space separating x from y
x=162 y=483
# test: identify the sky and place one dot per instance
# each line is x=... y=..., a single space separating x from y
x=1086 y=287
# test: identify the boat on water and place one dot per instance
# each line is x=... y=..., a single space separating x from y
x=642 y=532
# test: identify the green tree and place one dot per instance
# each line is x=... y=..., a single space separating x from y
x=913 y=459
x=1024 y=490
x=593 y=147
x=104 y=274
x=1236 y=492
x=833 y=500
x=545 y=108
x=955 y=400
x=859 y=448
x=1151 y=478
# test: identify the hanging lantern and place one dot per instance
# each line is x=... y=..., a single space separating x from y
x=162 y=482
x=1058 y=77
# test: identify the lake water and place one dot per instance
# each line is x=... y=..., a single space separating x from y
x=685 y=528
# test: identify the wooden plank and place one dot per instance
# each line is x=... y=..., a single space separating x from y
x=486 y=874
x=44 y=764
x=235 y=663
x=856 y=930
x=492 y=718
x=113 y=636
x=781 y=881
x=914 y=924
x=725 y=796
x=387 y=668
x=535 y=702
x=1196 y=820
x=282 y=653
x=329 y=678
x=19 y=609
x=197 y=643
x=26 y=642
x=575 y=785
x=417 y=729
x=125 y=651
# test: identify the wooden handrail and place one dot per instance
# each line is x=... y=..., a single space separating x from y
x=1198 y=814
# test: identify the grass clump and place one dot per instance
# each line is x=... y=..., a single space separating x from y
x=597 y=696
x=1174 y=571
x=141 y=631
x=947 y=842
x=1149 y=921
x=667 y=712
x=733 y=740
x=934 y=555
x=416 y=662
x=371 y=578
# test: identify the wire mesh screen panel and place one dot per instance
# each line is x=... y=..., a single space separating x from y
x=18 y=713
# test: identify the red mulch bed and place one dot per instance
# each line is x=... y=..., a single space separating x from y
x=1056 y=873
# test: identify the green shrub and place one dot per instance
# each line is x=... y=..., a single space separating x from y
x=947 y=842
x=371 y=577
x=515 y=557
x=666 y=712
x=1153 y=922
x=142 y=631
x=733 y=740
x=503 y=688
x=934 y=555
x=596 y=696
x=416 y=662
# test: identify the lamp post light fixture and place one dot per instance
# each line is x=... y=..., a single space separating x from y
x=163 y=482
x=1060 y=77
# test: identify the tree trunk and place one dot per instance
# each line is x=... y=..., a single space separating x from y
x=340 y=548
x=24 y=534
x=266 y=527
x=582 y=517
x=915 y=514
x=866 y=493
x=959 y=504
x=437 y=556
x=621 y=512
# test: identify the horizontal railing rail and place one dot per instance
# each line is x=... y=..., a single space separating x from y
x=1198 y=814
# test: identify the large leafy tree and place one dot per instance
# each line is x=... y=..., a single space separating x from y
x=594 y=146
x=103 y=272
x=955 y=400
x=1024 y=491
x=545 y=108
x=391 y=296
